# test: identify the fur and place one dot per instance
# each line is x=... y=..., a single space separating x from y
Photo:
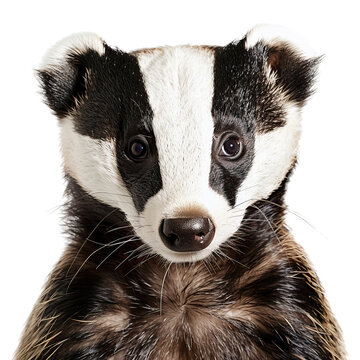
x=118 y=292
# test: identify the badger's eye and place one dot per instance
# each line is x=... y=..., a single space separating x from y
x=231 y=148
x=138 y=148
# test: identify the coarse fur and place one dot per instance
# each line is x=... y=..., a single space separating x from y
x=118 y=292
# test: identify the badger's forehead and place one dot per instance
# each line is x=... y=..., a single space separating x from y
x=179 y=85
x=233 y=84
x=184 y=87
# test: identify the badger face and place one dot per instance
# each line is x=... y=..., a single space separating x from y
x=181 y=139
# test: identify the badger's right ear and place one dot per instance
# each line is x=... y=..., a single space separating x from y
x=65 y=71
x=290 y=60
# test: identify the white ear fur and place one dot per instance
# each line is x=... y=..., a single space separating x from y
x=76 y=43
x=273 y=35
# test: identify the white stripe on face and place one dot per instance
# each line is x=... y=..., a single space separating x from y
x=275 y=153
x=92 y=163
x=179 y=83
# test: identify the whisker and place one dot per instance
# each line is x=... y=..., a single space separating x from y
x=231 y=259
x=210 y=259
x=254 y=220
x=87 y=238
x=121 y=238
x=93 y=253
x=227 y=244
x=268 y=221
x=162 y=287
x=82 y=265
x=234 y=207
x=128 y=226
x=113 y=242
x=285 y=208
x=109 y=193
x=121 y=242
x=205 y=265
x=143 y=262
x=215 y=255
x=116 y=249
x=118 y=228
x=129 y=257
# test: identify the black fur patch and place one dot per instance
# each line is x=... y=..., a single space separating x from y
x=64 y=84
x=234 y=108
x=242 y=90
x=246 y=101
x=143 y=179
x=106 y=98
x=294 y=73
x=116 y=102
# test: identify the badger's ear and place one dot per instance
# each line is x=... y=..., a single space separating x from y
x=291 y=62
x=64 y=73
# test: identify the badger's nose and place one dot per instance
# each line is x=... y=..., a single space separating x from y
x=187 y=234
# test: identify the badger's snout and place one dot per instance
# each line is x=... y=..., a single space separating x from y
x=187 y=234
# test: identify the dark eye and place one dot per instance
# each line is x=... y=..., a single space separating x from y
x=231 y=148
x=138 y=148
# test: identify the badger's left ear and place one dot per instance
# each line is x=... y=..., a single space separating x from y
x=291 y=62
x=65 y=71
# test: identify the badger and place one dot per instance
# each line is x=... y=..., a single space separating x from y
x=177 y=161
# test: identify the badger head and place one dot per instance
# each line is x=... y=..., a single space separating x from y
x=181 y=139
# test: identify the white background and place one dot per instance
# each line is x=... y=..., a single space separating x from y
x=324 y=188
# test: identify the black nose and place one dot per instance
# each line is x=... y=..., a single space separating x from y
x=187 y=234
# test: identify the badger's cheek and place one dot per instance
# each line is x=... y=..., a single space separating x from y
x=208 y=205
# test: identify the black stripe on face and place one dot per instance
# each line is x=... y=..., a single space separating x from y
x=230 y=111
x=116 y=101
x=243 y=102
x=117 y=107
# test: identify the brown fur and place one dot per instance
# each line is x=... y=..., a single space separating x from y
x=182 y=292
